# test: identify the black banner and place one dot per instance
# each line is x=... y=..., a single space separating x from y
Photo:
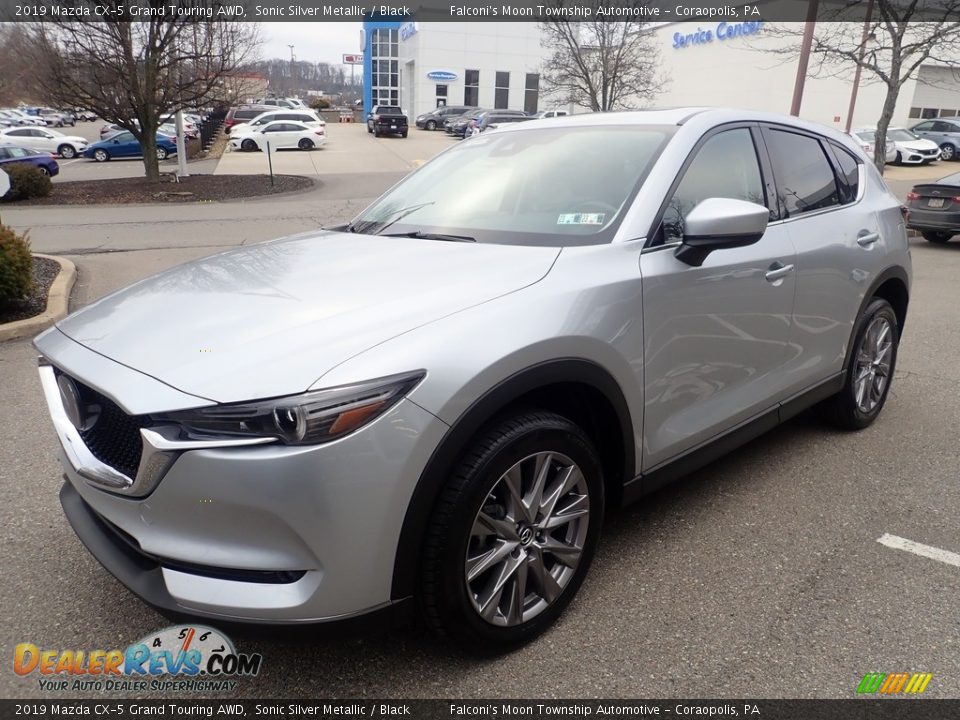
x=463 y=10
x=854 y=709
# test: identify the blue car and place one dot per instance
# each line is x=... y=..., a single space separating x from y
x=46 y=162
x=124 y=145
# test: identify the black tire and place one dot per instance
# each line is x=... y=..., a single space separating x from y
x=43 y=170
x=369 y=129
x=447 y=601
x=948 y=152
x=938 y=238
x=248 y=145
x=431 y=124
x=305 y=144
x=101 y=155
x=67 y=151
x=842 y=410
x=898 y=160
x=376 y=132
x=403 y=134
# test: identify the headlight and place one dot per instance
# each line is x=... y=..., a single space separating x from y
x=307 y=419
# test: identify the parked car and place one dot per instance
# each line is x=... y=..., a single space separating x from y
x=307 y=117
x=244 y=113
x=867 y=138
x=433 y=120
x=549 y=114
x=945 y=132
x=44 y=140
x=494 y=119
x=387 y=120
x=434 y=405
x=289 y=103
x=84 y=115
x=933 y=209
x=190 y=129
x=44 y=162
x=459 y=127
x=125 y=145
x=912 y=149
x=281 y=134
x=58 y=118
x=24 y=118
x=457 y=124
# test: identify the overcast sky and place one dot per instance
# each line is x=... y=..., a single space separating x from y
x=312 y=41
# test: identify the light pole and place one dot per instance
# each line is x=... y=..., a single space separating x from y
x=856 y=75
x=292 y=81
x=804 y=60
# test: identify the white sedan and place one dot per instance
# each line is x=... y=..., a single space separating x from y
x=912 y=149
x=866 y=138
x=280 y=134
x=45 y=140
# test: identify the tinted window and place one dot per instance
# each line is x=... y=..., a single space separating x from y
x=805 y=180
x=18 y=152
x=851 y=173
x=20 y=133
x=4 y=153
x=725 y=166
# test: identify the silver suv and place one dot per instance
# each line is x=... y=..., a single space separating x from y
x=945 y=132
x=440 y=400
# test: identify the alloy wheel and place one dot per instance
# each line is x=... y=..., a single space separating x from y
x=527 y=539
x=873 y=364
x=947 y=152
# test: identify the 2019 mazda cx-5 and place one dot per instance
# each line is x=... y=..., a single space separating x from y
x=439 y=401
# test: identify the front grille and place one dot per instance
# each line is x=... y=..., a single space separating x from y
x=114 y=438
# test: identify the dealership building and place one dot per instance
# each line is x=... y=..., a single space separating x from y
x=420 y=65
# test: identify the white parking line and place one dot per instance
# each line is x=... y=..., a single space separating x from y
x=927 y=551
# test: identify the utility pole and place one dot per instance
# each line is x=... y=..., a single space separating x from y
x=856 y=75
x=804 y=60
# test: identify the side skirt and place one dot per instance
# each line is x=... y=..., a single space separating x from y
x=704 y=454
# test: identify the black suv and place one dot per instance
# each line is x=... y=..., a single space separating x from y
x=434 y=119
x=387 y=120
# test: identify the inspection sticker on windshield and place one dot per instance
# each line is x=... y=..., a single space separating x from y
x=581 y=219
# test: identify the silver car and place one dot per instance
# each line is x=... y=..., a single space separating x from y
x=434 y=406
x=945 y=132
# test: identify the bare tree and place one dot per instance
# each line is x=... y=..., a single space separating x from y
x=134 y=72
x=889 y=48
x=600 y=63
x=14 y=79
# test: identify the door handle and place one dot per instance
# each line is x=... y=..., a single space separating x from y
x=778 y=271
x=866 y=239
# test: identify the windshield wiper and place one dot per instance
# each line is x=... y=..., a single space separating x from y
x=431 y=236
x=366 y=226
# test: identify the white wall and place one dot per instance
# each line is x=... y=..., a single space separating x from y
x=489 y=47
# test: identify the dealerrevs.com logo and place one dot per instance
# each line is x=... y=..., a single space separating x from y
x=177 y=658
x=898 y=683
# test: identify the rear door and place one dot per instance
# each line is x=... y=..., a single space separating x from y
x=820 y=189
x=716 y=336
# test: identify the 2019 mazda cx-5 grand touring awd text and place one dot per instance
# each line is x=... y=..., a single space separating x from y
x=434 y=405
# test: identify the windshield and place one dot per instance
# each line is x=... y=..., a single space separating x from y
x=550 y=186
x=866 y=136
x=901 y=135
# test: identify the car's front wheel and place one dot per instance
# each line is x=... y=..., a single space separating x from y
x=513 y=532
x=67 y=151
x=937 y=237
x=431 y=125
x=870 y=372
x=248 y=145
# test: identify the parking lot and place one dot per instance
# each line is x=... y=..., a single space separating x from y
x=759 y=576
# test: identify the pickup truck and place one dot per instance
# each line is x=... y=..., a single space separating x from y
x=387 y=120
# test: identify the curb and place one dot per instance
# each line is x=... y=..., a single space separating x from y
x=58 y=299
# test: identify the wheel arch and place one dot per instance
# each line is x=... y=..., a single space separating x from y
x=578 y=389
x=893 y=286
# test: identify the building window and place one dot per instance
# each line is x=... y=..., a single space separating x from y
x=471 y=91
x=531 y=95
x=501 y=97
x=914 y=112
x=385 y=80
x=928 y=113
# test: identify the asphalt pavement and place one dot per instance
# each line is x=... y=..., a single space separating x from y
x=759 y=576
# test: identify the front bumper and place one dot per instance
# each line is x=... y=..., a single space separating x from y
x=265 y=533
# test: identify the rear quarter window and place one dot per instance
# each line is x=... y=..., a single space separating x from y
x=850 y=172
x=805 y=179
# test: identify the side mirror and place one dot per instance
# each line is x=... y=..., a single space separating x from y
x=719 y=224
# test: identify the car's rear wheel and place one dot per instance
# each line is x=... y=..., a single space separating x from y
x=43 y=170
x=161 y=153
x=431 y=125
x=513 y=532
x=937 y=237
x=872 y=363
x=101 y=155
x=248 y=145
x=67 y=151
x=947 y=152
x=305 y=144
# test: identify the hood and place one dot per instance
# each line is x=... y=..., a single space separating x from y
x=920 y=144
x=270 y=319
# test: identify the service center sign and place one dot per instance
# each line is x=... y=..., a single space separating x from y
x=442 y=75
x=723 y=31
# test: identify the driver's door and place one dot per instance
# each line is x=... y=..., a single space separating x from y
x=715 y=336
